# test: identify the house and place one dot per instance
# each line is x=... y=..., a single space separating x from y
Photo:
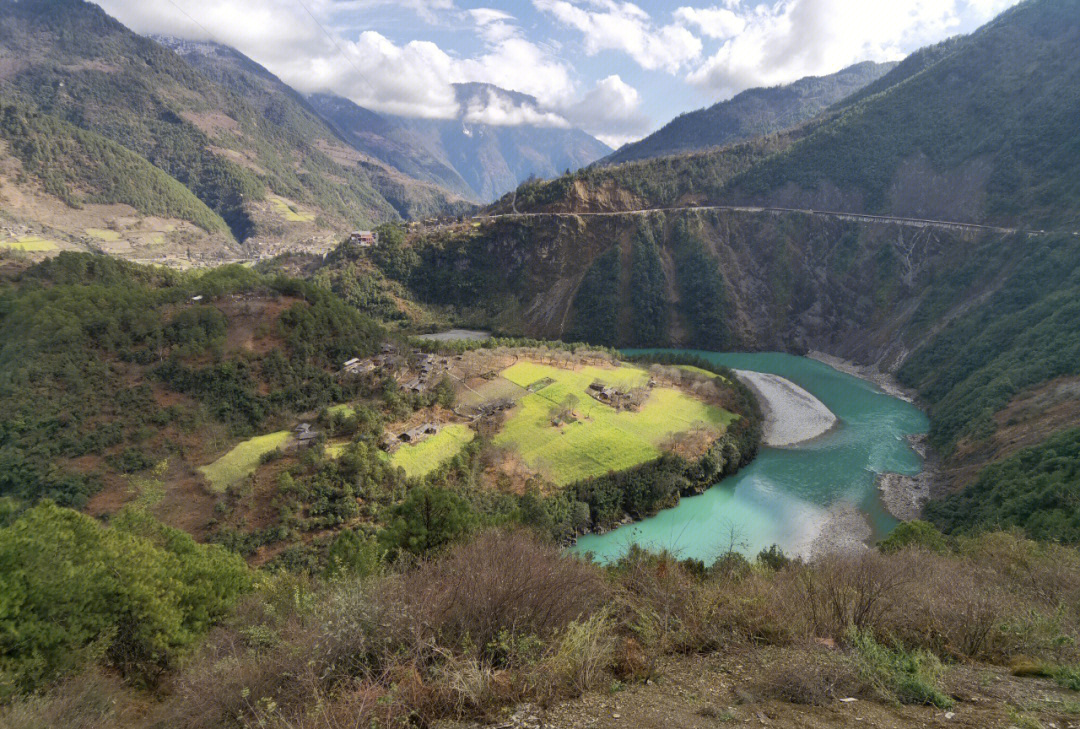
x=196 y=299
x=351 y=363
x=364 y=238
x=304 y=433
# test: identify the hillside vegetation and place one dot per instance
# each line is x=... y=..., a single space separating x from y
x=751 y=113
x=985 y=132
x=226 y=129
x=81 y=167
x=983 y=628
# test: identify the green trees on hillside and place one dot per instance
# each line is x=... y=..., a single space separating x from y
x=1001 y=97
x=135 y=594
x=596 y=304
x=701 y=289
x=79 y=167
x=1036 y=490
x=648 y=292
x=1023 y=334
x=76 y=329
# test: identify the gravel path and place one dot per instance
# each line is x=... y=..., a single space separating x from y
x=792 y=415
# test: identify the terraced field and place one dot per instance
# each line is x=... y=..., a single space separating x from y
x=290 y=212
x=242 y=460
x=29 y=244
x=424 y=457
x=602 y=439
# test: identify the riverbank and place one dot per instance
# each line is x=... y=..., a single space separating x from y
x=886 y=381
x=845 y=530
x=792 y=415
x=903 y=496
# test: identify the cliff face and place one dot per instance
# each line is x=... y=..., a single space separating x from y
x=787 y=281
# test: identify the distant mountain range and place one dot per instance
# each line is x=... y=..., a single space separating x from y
x=475 y=159
x=155 y=146
x=752 y=113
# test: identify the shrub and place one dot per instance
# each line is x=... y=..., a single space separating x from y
x=914 y=533
x=501 y=581
x=909 y=677
x=813 y=677
x=842 y=592
x=136 y=594
x=582 y=655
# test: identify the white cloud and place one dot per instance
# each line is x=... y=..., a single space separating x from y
x=414 y=78
x=714 y=22
x=789 y=39
x=611 y=111
x=498 y=109
x=623 y=26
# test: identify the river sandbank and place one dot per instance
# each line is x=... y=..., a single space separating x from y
x=845 y=530
x=792 y=415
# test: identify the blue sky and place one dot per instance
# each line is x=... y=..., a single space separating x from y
x=617 y=69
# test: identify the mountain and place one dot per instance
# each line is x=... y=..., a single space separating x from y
x=752 y=113
x=981 y=323
x=487 y=159
x=242 y=142
x=984 y=133
x=384 y=139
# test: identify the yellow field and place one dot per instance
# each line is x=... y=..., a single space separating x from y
x=602 y=439
x=242 y=460
x=30 y=244
x=282 y=208
x=424 y=457
x=103 y=234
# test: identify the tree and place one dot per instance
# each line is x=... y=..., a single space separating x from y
x=919 y=533
x=353 y=553
x=135 y=594
x=429 y=518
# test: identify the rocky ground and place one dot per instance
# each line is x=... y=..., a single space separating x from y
x=731 y=689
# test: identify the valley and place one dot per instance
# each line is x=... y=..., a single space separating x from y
x=404 y=398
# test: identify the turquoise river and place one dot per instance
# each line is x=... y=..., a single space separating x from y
x=784 y=495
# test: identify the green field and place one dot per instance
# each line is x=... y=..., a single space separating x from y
x=700 y=371
x=30 y=244
x=103 y=234
x=242 y=460
x=603 y=439
x=291 y=214
x=424 y=457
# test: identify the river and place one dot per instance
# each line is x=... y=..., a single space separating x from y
x=786 y=496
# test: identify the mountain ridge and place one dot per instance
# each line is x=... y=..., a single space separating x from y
x=752 y=113
x=483 y=159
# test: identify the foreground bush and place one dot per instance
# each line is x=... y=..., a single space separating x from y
x=507 y=618
x=134 y=595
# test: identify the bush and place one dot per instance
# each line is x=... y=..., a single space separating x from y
x=136 y=594
x=501 y=581
x=811 y=677
x=914 y=533
x=909 y=677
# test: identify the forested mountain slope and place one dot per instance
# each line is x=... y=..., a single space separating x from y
x=382 y=138
x=985 y=134
x=752 y=113
x=976 y=129
x=238 y=139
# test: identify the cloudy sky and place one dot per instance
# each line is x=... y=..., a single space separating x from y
x=616 y=69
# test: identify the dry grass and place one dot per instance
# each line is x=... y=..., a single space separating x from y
x=508 y=619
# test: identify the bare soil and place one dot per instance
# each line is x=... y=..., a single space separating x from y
x=718 y=690
x=1029 y=419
